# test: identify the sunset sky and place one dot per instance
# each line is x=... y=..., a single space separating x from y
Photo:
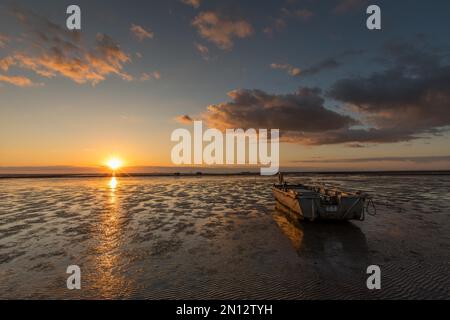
x=342 y=96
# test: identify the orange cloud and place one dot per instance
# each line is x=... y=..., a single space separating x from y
x=156 y=75
x=221 y=30
x=86 y=66
x=291 y=70
x=192 y=3
x=17 y=81
x=54 y=51
x=5 y=63
x=140 y=33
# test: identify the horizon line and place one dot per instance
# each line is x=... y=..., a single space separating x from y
x=200 y=173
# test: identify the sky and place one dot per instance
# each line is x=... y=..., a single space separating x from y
x=344 y=97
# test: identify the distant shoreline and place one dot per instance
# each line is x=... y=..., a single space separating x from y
x=209 y=174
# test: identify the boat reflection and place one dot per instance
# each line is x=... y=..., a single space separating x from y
x=291 y=229
x=338 y=246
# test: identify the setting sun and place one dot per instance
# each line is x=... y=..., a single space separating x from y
x=114 y=163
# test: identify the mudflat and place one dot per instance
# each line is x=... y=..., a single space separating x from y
x=219 y=237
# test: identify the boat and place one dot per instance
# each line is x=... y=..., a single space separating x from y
x=314 y=202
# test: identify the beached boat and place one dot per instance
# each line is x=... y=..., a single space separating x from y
x=312 y=203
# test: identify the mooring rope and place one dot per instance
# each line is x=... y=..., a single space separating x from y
x=370 y=203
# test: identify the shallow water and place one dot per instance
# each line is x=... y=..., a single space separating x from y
x=219 y=237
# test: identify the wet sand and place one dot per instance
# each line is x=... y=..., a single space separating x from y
x=219 y=237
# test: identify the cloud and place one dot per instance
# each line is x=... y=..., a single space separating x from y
x=323 y=65
x=301 y=112
x=291 y=70
x=185 y=119
x=193 y=3
x=18 y=81
x=140 y=33
x=43 y=29
x=152 y=75
x=6 y=62
x=326 y=64
x=54 y=51
x=278 y=25
x=351 y=135
x=345 y=6
x=409 y=99
x=330 y=63
x=221 y=30
x=156 y=75
x=314 y=69
x=145 y=76
x=417 y=159
x=203 y=51
x=280 y=22
x=355 y=145
x=3 y=40
x=304 y=14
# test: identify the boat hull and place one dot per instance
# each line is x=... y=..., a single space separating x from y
x=307 y=204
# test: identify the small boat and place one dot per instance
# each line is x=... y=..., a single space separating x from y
x=308 y=202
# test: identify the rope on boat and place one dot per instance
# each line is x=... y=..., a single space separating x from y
x=371 y=204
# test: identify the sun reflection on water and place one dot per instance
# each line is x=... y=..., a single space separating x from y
x=108 y=281
x=113 y=183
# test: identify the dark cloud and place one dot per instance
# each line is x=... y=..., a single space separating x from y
x=184 y=119
x=44 y=29
x=329 y=63
x=418 y=159
x=409 y=98
x=351 y=135
x=300 y=115
x=323 y=65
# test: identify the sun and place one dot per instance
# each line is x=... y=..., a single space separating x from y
x=114 y=163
